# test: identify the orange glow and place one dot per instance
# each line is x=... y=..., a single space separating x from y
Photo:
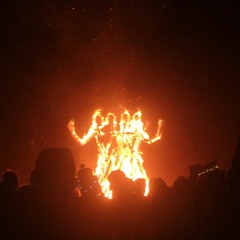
x=118 y=144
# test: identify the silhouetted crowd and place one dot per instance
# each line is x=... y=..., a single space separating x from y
x=61 y=202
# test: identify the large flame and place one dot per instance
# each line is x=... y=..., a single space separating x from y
x=118 y=144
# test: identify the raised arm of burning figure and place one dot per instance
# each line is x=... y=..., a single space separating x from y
x=92 y=131
x=72 y=129
x=158 y=133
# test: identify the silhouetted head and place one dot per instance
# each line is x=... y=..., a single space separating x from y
x=181 y=186
x=10 y=179
x=120 y=185
x=158 y=188
x=82 y=165
x=116 y=178
x=54 y=171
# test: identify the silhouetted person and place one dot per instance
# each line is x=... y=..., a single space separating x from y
x=9 y=184
x=8 y=200
x=184 y=216
x=211 y=204
x=159 y=209
x=233 y=190
x=50 y=212
x=139 y=188
x=117 y=216
x=121 y=186
x=233 y=176
x=91 y=196
x=88 y=183
x=158 y=189
x=182 y=189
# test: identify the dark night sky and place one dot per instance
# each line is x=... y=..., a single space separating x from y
x=176 y=60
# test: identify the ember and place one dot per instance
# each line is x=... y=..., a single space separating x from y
x=118 y=144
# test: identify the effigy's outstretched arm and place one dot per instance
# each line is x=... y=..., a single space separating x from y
x=158 y=133
x=85 y=138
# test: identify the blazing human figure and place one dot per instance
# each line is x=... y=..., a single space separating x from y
x=118 y=144
x=132 y=133
x=103 y=130
x=109 y=143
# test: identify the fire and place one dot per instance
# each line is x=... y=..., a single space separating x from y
x=118 y=144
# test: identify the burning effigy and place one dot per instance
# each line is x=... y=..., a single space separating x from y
x=118 y=141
